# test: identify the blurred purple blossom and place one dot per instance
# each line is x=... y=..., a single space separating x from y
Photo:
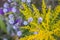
x=11 y=16
x=40 y=19
x=9 y=1
x=5 y=10
x=1 y=12
x=14 y=9
x=14 y=27
x=6 y=5
x=11 y=21
x=18 y=21
x=9 y=9
x=19 y=33
x=30 y=19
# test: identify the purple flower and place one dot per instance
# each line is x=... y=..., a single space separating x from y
x=9 y=1
x=11 y=21
x=11 y=16
x=9 y=9
x=6 y=5
x=30 y=19
x=14 y=9
x=5 y=10
x=19 y=33
x=14 y=27
x=18 y=21
x=1 y=12
x=40 y=19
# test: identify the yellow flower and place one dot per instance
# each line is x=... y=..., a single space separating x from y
x=47 y=27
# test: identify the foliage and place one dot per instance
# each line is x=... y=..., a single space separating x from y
x=2 y=24
x=49 y=26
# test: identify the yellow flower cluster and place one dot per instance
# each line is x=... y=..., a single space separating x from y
x=47 y=27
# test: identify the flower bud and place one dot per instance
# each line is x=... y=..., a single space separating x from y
x=6 y=5
x=25 y=22
x=40 y=19
x=19 y=33
x=30 y=19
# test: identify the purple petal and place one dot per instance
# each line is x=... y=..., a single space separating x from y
x=9 y=9
x=18 y=20
x=1 y=12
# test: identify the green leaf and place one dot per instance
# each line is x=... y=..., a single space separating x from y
x=2 y=25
